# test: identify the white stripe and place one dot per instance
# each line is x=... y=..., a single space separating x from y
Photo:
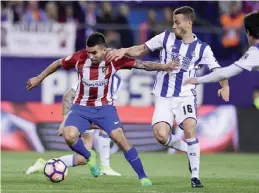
x=101 y=76
x=182 y=51
x=86 y=76
x=109 y=97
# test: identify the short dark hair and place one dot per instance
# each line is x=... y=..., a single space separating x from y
x=186 y=11
x=95 y=39
x=251 y=23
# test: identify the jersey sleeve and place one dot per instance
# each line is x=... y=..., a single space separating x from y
x=124 y=63
x=69 y=62
x=155 y=42
x=209 y=59
x=249 y=60
x=75 y=85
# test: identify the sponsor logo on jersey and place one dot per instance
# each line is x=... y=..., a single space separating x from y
x=95 y=83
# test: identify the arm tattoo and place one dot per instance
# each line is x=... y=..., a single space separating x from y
x=148 y=66
x=67 y=101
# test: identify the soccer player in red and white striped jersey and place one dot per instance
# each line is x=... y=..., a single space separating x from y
x=94 y=96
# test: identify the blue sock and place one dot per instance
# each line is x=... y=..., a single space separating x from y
x=79 y=148
x=132 y=156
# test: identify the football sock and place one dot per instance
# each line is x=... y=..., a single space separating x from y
x=79 y=148
x=69 y=160
x=176 y=143
x=133 y=158
x=103 y=141
x=193 y=151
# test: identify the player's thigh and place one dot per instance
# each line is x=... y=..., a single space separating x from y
x=163 y=116
x=186 y=113
x=163 y=111
x=111 y=124
x=76 y=120
x=108 y=119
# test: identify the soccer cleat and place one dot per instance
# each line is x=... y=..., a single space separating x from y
x=92 y=164
x=108 y=171
x=145 y=182
x=196 y=183
x=37 y=167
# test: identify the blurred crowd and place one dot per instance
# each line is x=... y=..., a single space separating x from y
x=221 y=22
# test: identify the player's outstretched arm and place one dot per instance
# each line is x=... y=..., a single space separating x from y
x=134 y=51
x=221 y=74
x=224 y=92
x=153 y=66
x=35 y=81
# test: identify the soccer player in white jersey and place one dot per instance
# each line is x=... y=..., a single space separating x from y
x=94 y=99
x=172 y=99
x=250 y=60
x=102 y=139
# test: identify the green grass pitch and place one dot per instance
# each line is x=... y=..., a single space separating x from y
x=220 y=173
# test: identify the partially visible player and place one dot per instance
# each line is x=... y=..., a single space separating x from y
x=173 y=100
x=102 y=139
x=93 y=102
x=250 y=60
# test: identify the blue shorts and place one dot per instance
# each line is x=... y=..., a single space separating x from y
x=105 y=117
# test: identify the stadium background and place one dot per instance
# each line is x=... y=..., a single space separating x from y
x=33 y=34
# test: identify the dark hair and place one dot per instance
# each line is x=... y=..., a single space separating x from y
x=187 y=12
x=251 y=23
x=95 y=39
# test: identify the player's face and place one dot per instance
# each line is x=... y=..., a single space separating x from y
x=181 y=25
x=96 y=53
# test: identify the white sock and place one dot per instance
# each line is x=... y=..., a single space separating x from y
x=69 y=160
x=176 y=143
x=103 y=141
x=193 y=151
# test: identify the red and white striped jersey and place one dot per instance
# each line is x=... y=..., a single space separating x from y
x=95 y=80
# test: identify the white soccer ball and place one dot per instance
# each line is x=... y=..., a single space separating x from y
x=55 y=170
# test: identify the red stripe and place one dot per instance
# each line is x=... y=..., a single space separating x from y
x=108 y=76
x=93 y=91
x=81 y=86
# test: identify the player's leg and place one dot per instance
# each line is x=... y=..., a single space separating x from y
x=186 y=118
x=162 y=121
x=111 y=124
x=74 y=126
x=103 y=144
x=77 y=159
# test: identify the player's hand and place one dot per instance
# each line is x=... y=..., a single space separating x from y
x=172 y=65
x=61 y=126
x=191 y=81
x=224 y=93
x=115 y=54
x=33 y=82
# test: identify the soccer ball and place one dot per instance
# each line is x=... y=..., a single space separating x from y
x=55 y=170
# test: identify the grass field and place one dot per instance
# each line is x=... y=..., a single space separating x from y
x=221 y=173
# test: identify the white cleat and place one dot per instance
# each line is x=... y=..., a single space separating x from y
x=108 y=171
x=37 y=167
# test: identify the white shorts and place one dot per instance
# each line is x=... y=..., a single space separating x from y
x=175 y=108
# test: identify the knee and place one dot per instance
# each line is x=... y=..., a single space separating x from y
x=71 y=134
x=189 y=128
x=117 y=135
x=161 y=134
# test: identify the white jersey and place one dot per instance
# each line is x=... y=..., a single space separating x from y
x=192 y=56
x=250 y=60
x=116 y=84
